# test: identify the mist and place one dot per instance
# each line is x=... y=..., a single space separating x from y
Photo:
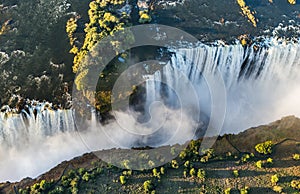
x=260 y=87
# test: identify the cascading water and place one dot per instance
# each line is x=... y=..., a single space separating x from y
x=262 y=85
x=262 y=82
x=37 y=122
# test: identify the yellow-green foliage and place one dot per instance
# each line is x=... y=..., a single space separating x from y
x=244 y=190
x=296 y=156
x=70 y=29
x=122 y=180
x=227 y=191
x=293 y=2
x=156 y=173
x=235 y=173
x=295 y=184
x=270 y=161
x=247 y=12
x=144 y=17
x=259 y=164
x=104 y=21
x=201 y=174
x=264 y=148
x=274 y=179
x=148 y=186
x=174 y=164
x=193 y=172
x=277 y=189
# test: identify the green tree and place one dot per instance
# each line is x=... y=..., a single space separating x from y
x=264 y=148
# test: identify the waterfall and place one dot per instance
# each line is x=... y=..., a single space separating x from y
x=261 y=82
x=17 y=129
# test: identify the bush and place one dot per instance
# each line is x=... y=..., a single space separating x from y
x=65 y=181
x=156 y=173
x=81 y=171
x=193 y=172
x=144 y=17
x=174 y=164
x=187 y=164
x=57 y=190
x=86 y=177
x=264 y=148
x=182 y=155
x=244 y=190
x=148 y=186
x=227 y=191
x=296 y=156
x=122 y=180
x=277 y=189
x=270 y=161
x=201 y=174
x=235 y=173
x=245 y=158
x=274 y=179
x=44 y=185
x=259 y=164
x=162 y=170
x=295 y=184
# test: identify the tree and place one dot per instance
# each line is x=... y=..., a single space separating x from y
x=264 y=148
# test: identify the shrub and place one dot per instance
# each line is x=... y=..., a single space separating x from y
x=144 y=17
x=35 y=187
x=99 y=171
x=235 y=173
x=184 y=173
x=296 y=156
x=208 y=154
x=245 y=158
x=201 y=174
x=122 y=180
x=44 y=185
x=57 y=190
x=187 y=164
x=259 y=164
x=81 y=171
x=292 y=2
x=65 y=181
x=274 y=179
x=277 y=189
x=295 y=184
x=162 y=170
x=264 y=148
x=193 y=172
x=270 y=161
x=127 y=173
x=86 y=177
x=244 y=190
x=156 y=173
x=148 y=186
x=174 y=164
x=182 y=155
x=227 y=191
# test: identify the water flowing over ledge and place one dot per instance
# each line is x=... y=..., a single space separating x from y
x=261 y=83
